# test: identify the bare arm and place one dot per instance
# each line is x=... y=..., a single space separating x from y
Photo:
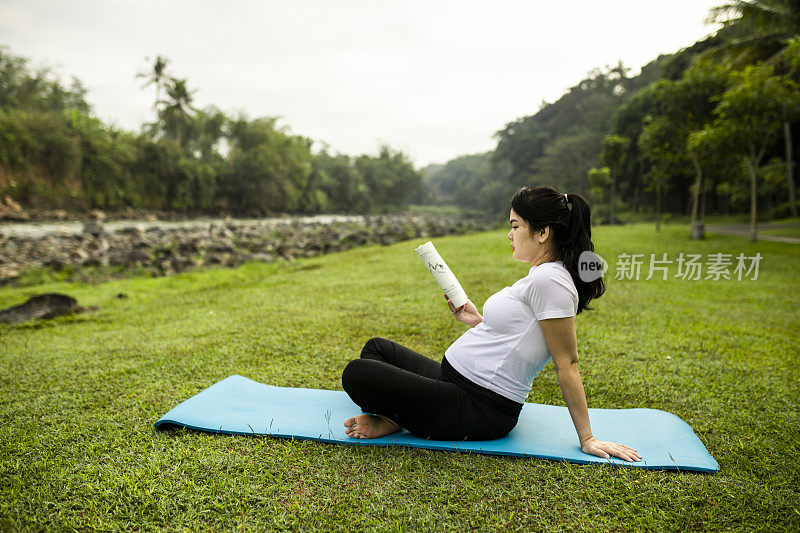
x=562 y=342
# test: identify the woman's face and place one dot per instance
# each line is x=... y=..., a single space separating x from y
x=526 y=248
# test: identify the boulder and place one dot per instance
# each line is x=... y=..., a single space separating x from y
x=93 y=227
x=43 y=306
x=11 y=210
x=128 y=258
x=9 y=273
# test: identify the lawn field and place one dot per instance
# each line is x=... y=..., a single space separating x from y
x=79 y=396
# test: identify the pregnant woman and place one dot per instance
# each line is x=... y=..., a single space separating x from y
x=477 y=391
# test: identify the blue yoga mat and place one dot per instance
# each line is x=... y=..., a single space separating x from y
x=237 y=405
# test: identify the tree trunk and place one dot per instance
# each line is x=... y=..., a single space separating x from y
x=697 y=230
x=612 y=202
x=703 y=204
x=636 y=186
x=753 y=201
x=179 y=135
x=658 y=209
x=787 y=135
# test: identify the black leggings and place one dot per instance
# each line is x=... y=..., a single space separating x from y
x=429 y=399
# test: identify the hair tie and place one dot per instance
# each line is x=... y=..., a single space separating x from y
x=569 y=205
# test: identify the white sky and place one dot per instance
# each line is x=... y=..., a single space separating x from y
x=433 y=78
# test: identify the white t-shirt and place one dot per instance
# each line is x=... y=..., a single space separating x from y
x=508 y=349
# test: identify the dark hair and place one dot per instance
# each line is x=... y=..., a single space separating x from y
x=568 y=217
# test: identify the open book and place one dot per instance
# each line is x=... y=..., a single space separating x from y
x=443 y=276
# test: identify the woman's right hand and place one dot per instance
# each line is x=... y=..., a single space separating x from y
x=606 y=449
x=467 y=313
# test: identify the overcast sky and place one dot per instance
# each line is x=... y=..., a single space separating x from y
x=433 y=78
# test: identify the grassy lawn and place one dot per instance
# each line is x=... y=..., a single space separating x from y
x=79 y=396
x=789 y=227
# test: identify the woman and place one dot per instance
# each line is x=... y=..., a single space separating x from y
x=477 y=391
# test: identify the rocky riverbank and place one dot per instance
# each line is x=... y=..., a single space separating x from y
x=164 y=251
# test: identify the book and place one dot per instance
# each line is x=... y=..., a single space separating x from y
x=442 y=274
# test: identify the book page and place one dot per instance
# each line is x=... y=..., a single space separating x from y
x=442 y=274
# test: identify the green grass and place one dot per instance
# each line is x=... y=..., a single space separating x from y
x=791 y=229
x=79 y=396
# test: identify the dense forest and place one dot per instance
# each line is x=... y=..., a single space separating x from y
x=706 y=129
x=55 y=154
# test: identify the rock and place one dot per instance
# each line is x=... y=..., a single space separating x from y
x=56 y=263
x=128 y=258
x=220 y=247
x=96 y=214
x=96 y=259
x=167 y=250
x=9 y=273
x=215 y=259
x=131 y=230
x=264 y=258
x=11 y=210
x=43 y=306
x=9 y=203
x=93 y=227
x=80 y=254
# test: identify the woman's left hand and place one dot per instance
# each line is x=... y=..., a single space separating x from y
x=605 y=449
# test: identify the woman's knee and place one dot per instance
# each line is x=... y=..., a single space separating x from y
x=374 y=346
x=352 y=375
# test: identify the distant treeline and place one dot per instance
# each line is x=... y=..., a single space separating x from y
x=708 y=128
x=55 y=154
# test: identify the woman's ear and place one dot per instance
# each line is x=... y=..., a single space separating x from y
x=543 y=234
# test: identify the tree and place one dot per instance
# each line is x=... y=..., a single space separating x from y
x=588 y=106
x=107 y=156
x=521 y=143
x=267 y=169
x=39 y=157
x=629 y=121
x=207 y=134
x=598 y=178
x=661 y=141
x=36 y=91
x=792 y=57
x=177 y=117
x=749 y=116
x=764 y=26
x=390 y=177
x=697 y=90
x=342 y=183
x=768 y=30
x=613 y=157
x=567 y=159
x=155 y=76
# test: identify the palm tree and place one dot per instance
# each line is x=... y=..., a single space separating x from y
x=763 y=28
x=177 y=111
x=155 y=76
x=764 y=31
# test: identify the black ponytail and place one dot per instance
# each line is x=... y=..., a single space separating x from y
x=569 y=219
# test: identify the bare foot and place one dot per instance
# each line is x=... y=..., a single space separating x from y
x=369 y=426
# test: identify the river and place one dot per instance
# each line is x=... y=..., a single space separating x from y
x=33 y=230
